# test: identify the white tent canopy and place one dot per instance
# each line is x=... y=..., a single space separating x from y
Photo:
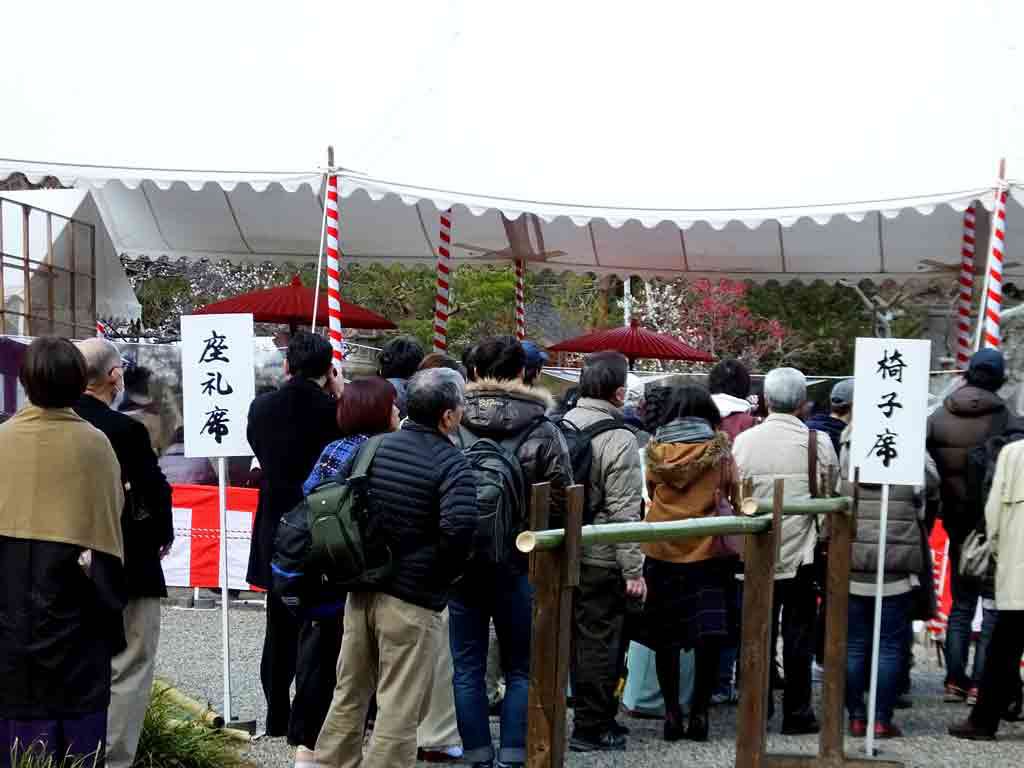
x=785 y=139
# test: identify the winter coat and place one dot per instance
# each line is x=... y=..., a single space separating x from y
x=905 y=539
x=774 y=450
x=288 y=430
x=735 y=413
x=1004 y=523
x=180 y=469
x=147 y=521
x=501 y=411
x=963 y=421
x=616 y=486
x=423 y=507
x=682 y=480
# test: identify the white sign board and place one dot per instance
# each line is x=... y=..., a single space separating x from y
x=890 y=410
x=218 y=383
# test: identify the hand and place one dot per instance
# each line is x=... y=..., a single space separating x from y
x=636 y=588
x=165 y=550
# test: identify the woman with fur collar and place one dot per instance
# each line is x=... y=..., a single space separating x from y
x=691 y=589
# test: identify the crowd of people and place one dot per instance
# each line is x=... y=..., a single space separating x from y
x=409 y=666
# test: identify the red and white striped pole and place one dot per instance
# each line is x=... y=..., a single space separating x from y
x=444 y=277
x=993 y=293
x=520 y=299
x=963 y=345
x=333 y=273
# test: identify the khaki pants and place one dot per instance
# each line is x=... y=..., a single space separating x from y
x=132 y=680
x=389 y=646
x=440 y=727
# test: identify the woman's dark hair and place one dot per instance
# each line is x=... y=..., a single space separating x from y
x=604 y=373
x=441 y=360
x=309 y=355
x=364 y=407
x=400 y=358
x=53 y=373
x=500 y=357
x=730 y=377
x=689 y=401
x=469 y=362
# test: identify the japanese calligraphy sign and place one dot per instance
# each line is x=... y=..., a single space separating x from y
x=218 y=381
x=890 y=410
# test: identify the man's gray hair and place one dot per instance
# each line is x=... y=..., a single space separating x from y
x=785 y=390
x=101 y=357
x=433 y=391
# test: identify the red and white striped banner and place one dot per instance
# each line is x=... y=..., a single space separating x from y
x=334 y=273
x=996 y=252
x=444 y=278
x=194 y=560
x=520 y=299
x=964 y=345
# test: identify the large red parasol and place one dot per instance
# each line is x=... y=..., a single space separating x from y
x=292 y=305
x=634 y=342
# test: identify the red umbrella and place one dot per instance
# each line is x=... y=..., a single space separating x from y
x=292 y=305
x=634 y=342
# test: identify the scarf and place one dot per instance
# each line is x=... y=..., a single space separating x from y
x=686 y=430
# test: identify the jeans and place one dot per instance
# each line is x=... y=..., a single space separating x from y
x=958 y=635
x=895 y=617
x=503 y=594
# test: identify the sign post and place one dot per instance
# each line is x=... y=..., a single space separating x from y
x=218 y=384
x=890 y=417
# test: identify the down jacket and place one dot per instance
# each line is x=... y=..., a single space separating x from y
x=963 y=421
x=501 y=411
x=616 y=486
x=423 y=507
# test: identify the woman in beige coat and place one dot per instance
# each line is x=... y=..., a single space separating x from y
x=1004 y=524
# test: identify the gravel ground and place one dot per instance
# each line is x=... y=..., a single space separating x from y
x=190 y=657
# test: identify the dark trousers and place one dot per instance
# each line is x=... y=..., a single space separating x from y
x=1000 y=682
x=796 y=600
x=76 y=735
x=600 y=614
x=310 y=649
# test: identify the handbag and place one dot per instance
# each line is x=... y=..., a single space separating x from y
x=977 y=560
x=725 y=546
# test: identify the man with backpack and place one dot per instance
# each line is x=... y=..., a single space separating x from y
x=966 y=420
x=510 y=444
x=421 y=493
x=611 y=574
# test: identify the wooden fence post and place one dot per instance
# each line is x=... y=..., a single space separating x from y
x=755 y=657
x=554 y=575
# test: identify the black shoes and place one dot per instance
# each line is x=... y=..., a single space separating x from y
x=674 y=729
x=698 y=730
x=607 y=741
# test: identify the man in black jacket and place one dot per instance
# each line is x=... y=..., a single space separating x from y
x=499 y=406
x=148 y=532
x=423 y=507
x=288 y=429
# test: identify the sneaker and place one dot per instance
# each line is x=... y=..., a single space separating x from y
x=858 y=728
x=972 y=696
x=954 y=694
x=800 y=725
x=608 y=741
x=971 y=732
x=887 y=731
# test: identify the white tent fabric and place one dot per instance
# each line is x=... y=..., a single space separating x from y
x=770 y=139
x=114 y=295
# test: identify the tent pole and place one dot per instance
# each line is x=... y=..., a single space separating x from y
x=627 y=299
x=983 y=303
x=323 y=234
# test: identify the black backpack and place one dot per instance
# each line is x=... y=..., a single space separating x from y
x=501 y=493
x=322 y=548
x=981 y=460
x=581 y=452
